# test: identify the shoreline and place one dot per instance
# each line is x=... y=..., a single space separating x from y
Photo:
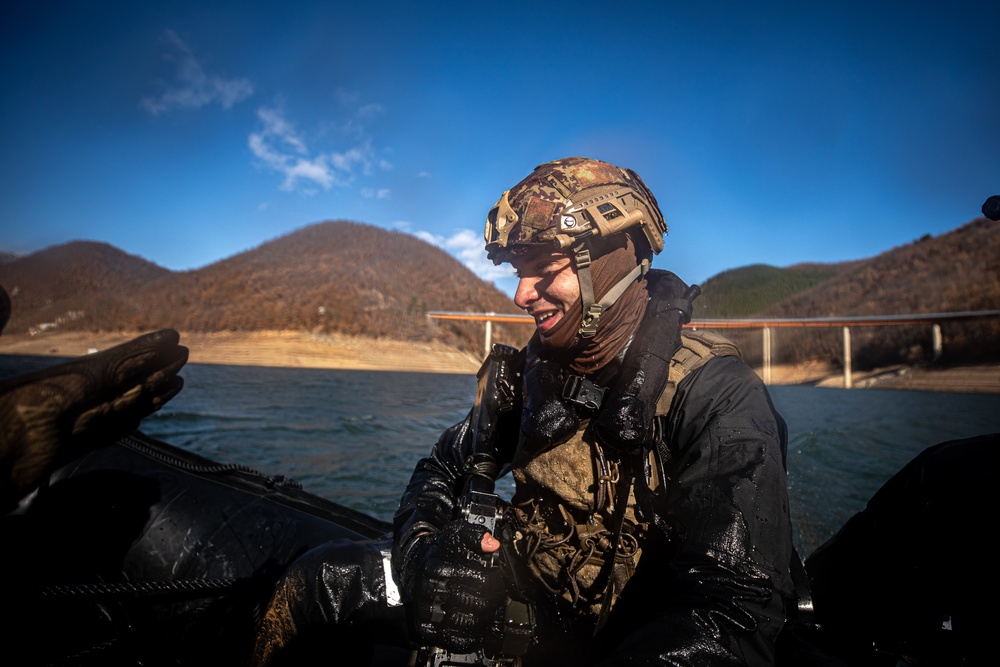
x=293 y=349
x=284 y=349
x=959 y=378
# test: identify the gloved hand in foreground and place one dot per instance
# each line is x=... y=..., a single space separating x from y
x=455 y=597
x=51 y=416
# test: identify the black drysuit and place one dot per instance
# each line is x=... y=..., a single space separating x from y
x=713 y=582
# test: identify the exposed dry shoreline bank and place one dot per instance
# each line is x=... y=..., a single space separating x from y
x=303 y=350
x=290 y=349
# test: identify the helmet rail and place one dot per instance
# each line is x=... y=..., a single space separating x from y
x=567 y=205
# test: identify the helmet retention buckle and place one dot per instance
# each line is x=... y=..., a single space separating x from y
x=592 y=311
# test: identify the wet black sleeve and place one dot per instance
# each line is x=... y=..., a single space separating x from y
x=431 y=497
x=720 y=600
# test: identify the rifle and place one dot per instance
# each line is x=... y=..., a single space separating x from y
x=480 y=505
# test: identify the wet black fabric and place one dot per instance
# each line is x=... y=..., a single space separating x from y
x=909 y=576
x=456 y=595
x=712 y=592
x=57 y=414
x=330 y=608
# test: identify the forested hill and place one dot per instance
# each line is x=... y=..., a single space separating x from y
x=328 y=277
x=955 y=272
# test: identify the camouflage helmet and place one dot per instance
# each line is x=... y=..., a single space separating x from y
x=568 y=204
x=564 y=202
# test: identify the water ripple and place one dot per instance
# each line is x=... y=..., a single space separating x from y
x=354 y=436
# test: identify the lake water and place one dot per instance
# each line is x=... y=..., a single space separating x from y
x=354 y=436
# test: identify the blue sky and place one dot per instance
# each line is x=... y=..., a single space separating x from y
x=186 y=132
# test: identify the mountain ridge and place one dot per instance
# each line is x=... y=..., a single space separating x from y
x=956 y=271
x=348 y=277
x=333 y=276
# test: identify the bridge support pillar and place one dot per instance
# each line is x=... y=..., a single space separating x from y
x=847 y=358
x=489 y=336
x=767 y=355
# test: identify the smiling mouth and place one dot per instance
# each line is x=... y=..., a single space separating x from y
x=545 y=321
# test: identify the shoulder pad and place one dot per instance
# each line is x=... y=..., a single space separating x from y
x=697 y=347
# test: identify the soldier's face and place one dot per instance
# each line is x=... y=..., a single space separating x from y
x=548 y=287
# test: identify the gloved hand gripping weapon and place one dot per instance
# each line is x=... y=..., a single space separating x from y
x=481 y=506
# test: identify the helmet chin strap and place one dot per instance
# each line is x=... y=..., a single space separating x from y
x=591 y=310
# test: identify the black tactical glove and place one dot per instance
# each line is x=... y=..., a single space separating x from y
x=51 y=416
x=455 y=597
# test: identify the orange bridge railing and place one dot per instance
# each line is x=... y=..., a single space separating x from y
x=766 y=324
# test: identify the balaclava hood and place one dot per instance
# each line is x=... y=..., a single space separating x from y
x=586 y=355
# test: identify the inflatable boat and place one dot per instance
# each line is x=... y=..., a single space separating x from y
x=141 y=553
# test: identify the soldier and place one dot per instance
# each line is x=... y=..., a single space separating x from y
x=650 y=518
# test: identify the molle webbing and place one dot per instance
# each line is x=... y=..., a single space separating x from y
x=696 y=348
x=575 y=528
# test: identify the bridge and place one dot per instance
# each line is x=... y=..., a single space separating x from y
x=933 y=320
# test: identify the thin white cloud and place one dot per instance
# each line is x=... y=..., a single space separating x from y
x=375 y=193
x=347 y=98
x=359 y=156
x=280 y=147
x=430 y=238
x=467 y=247
x=370 y=110
x=282 y=130
x=193 y=87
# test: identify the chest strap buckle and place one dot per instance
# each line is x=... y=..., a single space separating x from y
x=581 y=391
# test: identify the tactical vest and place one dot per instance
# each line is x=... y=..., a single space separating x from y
x=567 y=504
x=697 y=347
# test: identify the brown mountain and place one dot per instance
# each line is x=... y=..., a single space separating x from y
x=74 y=285
x=332 y=276
x=954 y=272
